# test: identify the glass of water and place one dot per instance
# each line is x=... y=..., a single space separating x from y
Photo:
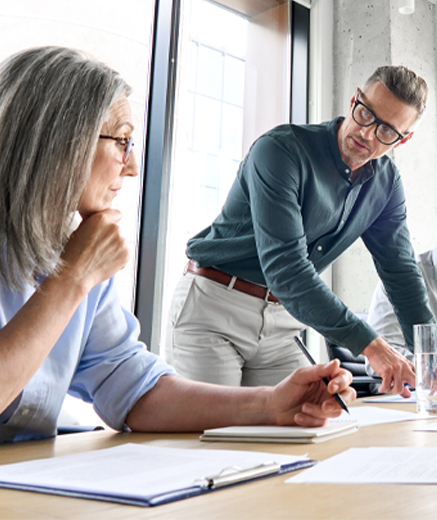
x=425 y=356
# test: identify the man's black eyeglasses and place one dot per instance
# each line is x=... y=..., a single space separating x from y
x=364 y=116
x=126 y=142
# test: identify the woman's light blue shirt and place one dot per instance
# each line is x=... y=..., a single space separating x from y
x=98 y=358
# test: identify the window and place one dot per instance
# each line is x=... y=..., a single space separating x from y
x=123 y=42
x=232 y=84
x=208 y=125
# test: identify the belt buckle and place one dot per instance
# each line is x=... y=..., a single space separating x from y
x=268 y=294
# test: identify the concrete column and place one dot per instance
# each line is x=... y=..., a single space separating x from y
x=414 y=40
x=368 y=34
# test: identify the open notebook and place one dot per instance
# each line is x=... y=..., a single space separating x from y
x=288 y=434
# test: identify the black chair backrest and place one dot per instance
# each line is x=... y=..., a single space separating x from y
x=364 y=384
x=355 y=364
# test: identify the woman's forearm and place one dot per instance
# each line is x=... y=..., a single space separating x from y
x=26 y=340
x=177 y=404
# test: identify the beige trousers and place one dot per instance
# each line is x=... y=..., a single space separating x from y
x=220 y=335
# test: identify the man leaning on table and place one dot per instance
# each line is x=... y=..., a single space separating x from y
x=303 y=195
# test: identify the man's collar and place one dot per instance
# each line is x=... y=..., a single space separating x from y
x=364 y=173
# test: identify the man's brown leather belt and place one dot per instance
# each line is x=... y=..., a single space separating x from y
x=225 y=279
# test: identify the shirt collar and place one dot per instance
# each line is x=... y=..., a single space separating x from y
x=434 y=256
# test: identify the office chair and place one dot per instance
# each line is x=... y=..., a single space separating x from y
x=363 y=384
x=62 y=430
x=68 y=423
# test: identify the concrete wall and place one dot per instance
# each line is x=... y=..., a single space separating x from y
x=368 y=34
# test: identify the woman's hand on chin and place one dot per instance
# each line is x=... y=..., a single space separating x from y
x=96 y=250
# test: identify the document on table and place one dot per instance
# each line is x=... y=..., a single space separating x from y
x=374 y=466
x=143 y=475
x=392 y=398
x=429 y=427
x=368 y=415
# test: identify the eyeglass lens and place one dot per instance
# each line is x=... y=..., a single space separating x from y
x=127 y=149
x=364 y=117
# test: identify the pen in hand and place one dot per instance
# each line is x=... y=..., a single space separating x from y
x=338 y=397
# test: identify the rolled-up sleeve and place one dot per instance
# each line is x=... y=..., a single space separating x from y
x=115 y=368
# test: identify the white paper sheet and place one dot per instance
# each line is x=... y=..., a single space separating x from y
x=367 y=415
x=392 y=398
x=432 y=427
x=374 y=466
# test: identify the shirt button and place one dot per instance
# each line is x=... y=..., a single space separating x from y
x=25 y=411
x=319 y=248
x=347 y=171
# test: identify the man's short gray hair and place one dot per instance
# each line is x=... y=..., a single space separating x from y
x=53 y=102
x=405 y=84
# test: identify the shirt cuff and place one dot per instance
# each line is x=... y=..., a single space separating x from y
x=360 y=336
x=10 y=410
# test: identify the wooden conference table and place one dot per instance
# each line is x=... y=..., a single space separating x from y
x=268 y=499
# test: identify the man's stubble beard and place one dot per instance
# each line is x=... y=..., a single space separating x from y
x=352 y=153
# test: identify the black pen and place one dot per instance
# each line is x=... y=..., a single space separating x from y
x=338 y=397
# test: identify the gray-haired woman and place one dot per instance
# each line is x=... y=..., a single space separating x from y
x=66 y=146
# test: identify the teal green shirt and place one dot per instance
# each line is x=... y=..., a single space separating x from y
x=293 y=210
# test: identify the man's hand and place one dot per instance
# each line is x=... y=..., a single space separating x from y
x=304 y=399
x=96 y=250
x=394 y=368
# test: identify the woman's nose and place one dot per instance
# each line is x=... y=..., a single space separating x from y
x=131 y=168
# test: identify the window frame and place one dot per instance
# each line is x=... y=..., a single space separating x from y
x=153 y=208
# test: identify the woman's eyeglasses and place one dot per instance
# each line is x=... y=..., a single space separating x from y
x=126 y=142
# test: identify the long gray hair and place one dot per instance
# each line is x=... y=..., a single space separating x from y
x=53 y=102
